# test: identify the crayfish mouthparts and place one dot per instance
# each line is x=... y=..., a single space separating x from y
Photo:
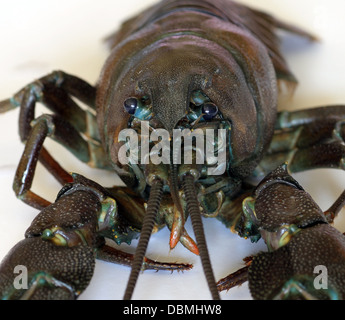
x=186 y=175
x=174 y=217
x=177 y=230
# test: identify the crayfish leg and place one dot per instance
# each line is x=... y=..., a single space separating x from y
x=307 y=139
x=113 y=255
x=233 y=279
x=236 y=278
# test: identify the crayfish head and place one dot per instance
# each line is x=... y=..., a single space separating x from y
x=180 y=88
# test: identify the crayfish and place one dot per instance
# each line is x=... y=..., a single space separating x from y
x=180 y=65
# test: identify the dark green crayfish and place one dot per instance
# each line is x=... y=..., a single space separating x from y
x=179 y=66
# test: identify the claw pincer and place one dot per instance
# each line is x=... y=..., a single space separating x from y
x=306 y=255
x=57 y=257
x=57 y=252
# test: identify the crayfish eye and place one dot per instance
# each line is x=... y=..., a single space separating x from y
x=209 y=110
x=131 y=105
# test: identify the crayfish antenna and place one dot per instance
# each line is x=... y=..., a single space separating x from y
x=195 y=214
x=146 y=231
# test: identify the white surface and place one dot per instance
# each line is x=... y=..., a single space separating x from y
x=39 y=36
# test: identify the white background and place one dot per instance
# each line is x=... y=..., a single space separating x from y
x=39 y=36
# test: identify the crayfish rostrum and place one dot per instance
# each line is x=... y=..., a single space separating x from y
x=191 y=75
